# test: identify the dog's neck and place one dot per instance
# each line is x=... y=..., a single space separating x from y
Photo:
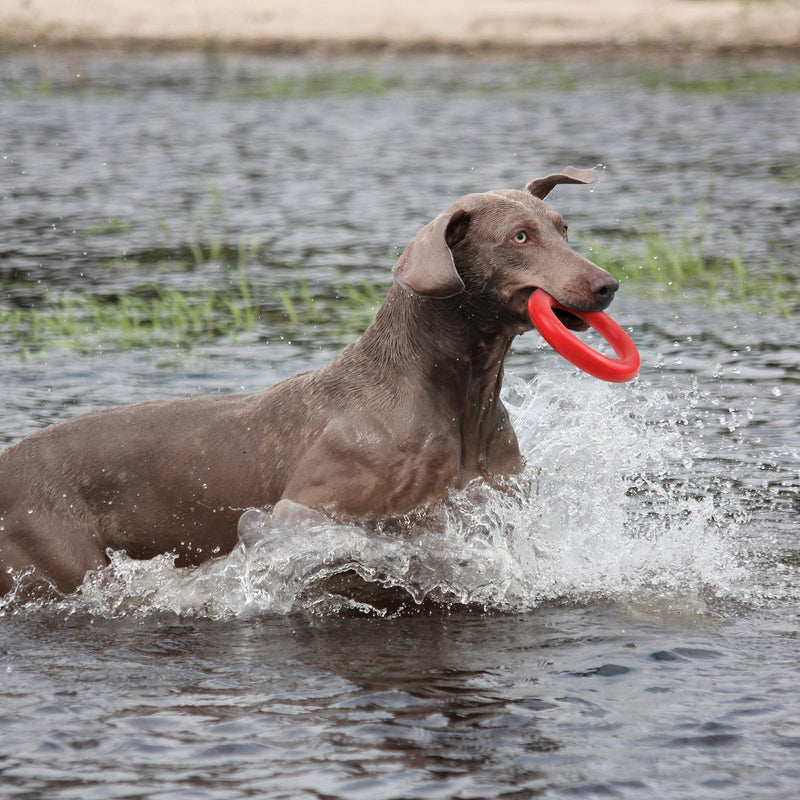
x=457 y=356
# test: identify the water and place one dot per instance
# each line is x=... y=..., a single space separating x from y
x=621 y=621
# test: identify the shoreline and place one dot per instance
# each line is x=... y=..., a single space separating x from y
x=657 y=53
x=624 y=30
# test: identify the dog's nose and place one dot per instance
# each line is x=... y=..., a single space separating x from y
x=603 y=288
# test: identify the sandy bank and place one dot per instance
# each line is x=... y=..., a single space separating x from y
x=494 y=26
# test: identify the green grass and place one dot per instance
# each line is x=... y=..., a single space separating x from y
x=316 y=84
x=722 y=79
x=150 y=316
x=750 y=80
x=341 y=308
x=655 y=265
x=56 y=77
x=246 y=302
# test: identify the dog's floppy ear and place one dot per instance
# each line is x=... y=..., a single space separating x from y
x=540 y=187
x=426 y=266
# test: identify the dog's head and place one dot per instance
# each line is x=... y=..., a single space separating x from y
x=496 y=248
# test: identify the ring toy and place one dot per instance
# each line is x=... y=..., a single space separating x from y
x=565 y=343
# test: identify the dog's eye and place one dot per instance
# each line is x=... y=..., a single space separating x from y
x=520 y=237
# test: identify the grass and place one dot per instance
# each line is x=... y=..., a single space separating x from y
x=145 y=316
x=654 y=264
x=156 y=318
x=243 y=302
x=83 y=79
x=750 y=80
x=724 y=78
x=316 y=84
x=151 y=316
x=219 y=80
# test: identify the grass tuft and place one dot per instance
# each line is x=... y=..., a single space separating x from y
x=721 y=82
x=653 y=264
x=317 y=84
x=151 y=316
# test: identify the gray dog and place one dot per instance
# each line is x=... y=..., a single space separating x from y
x=405 y=413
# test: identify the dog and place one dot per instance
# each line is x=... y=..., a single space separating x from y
x=406 y=413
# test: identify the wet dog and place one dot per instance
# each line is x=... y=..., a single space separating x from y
x=405 y=413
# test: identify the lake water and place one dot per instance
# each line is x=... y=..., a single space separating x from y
x=623 y=623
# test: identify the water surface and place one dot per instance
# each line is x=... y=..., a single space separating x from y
x=621 y=622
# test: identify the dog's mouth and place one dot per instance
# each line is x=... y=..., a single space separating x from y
x=567 y=319
x=570 y=321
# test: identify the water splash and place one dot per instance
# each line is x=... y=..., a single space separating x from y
x=606 y=510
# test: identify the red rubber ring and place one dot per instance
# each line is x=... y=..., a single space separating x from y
x=565 y=343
